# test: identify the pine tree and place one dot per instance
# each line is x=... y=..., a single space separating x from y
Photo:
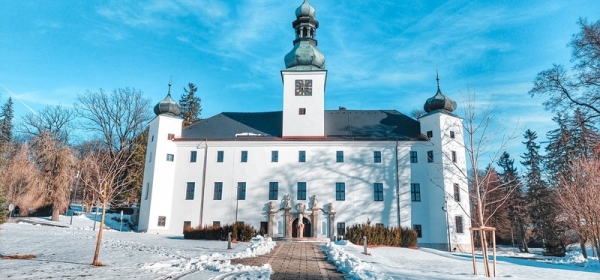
x=3 y=208
x=517 y=210
x=6 y=116
x=190 y=105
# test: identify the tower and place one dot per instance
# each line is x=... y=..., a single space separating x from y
x=447 y=172
x=159 y=170
x=304 y=80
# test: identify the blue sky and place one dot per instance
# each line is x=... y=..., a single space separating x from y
x=379 y=54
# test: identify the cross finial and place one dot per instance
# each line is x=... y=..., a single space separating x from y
x=437 y=78
x=169 y=93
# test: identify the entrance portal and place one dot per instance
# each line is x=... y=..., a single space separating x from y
x=307 y=228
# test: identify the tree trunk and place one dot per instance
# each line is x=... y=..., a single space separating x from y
x=96 y=261
x=55 y=212
x=583 y=248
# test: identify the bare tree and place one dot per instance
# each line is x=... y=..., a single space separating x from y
x=118 y=117
x=102 y=175
x=56 y=120
x=578 y=197
x=56 y=170
x=19 y=178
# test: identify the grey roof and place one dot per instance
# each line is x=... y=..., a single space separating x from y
x=339 y=124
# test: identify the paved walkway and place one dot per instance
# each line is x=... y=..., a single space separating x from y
x=296 y=260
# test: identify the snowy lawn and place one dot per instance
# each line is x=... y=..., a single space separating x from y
x=403 y=263
x=66 y=253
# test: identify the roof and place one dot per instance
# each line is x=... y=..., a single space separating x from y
x=339 y=124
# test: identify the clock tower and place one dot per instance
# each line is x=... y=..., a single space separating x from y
x=304 y=80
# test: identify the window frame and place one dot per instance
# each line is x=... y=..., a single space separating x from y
x=273 y=190
x=193 y=156
x=190 y=190
x=430 y=134
x=376 y=156
x=220 y=156
x=339 y=156
x=340 y=191
x=301 y=156
x=170 y=157
x=429 y=156
x=415 y=192
x=454 y=156
x=218 y=191
x=452 y=134
x=459 y=224
x=341 y=229
x=378 y=191
x=419 y=229
x=274 y=156
x=244 y=156
x=301 y=191
x=414 y=157
x=456 y=192
x=162 y=221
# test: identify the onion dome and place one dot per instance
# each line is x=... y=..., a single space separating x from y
x=305 y=55
x=439 y=101
x=167 y=106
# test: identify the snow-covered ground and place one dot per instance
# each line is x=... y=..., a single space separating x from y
x=66 y=253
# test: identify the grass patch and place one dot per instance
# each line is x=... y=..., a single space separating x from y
x=19 y=257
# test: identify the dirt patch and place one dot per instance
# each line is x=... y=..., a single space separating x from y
x=19 y=257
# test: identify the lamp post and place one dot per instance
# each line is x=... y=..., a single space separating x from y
x=445 y=209
x=74 y=194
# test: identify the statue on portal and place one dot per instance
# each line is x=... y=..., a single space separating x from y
x=315 y=201
x=272 y=205
x=288 y=203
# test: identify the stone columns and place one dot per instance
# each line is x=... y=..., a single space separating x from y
x=315 y=221
x=271 y=222
x=288 y=222
x=332 y=226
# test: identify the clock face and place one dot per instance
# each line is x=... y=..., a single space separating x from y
x=303 y=87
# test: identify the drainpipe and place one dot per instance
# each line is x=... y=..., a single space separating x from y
x=203 y=181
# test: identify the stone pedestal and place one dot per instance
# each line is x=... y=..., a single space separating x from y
x=332 y=225
x=288 y=222
x=271 y=222
x=300 y=230
x=315 y=221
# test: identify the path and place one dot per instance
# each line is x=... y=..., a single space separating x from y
x=295 y=260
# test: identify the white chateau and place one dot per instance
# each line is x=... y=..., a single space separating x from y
x=306 y=171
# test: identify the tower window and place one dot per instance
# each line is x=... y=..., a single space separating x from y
x=193 y=155
x=274 y=156
x=452 y=134
x=453 y=156
x=302 y=111
x=170 y=157
x=244 y=156
x=429 y=156
x=302 y=156
x=429 y=134
x=456 y=193
x=413 y=157
x=220 y=156
x=459 y=224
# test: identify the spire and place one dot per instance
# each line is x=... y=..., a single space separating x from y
x=168 y=105
x=305 y=55
x=439 y=101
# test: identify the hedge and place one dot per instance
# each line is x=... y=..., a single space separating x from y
x=238 y=231
x=384 y=236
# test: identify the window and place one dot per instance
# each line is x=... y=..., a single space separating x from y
x=170 y=136
x=341 y=229
x=429 y=156
x=216 y=223
x=340 y=191
x=302 y=156
x=429 y=134
x=152 y=140
x=273 y=191
x=415 y=192
x=377 y=156
x=274 y=156
x=170 y=157
x=147 y=191
x=193 y=156
x=244 y=157
x=413 y=157
x=419 y=231
x=220 y=156
x=189 y=192
x=456 y=193
x=453 y=156
x=378 y=191
x=218 y=193
x=459 y=224
x=301 y=191
x=162 y=220
x=339 y=156
x=452 y=134
x=241 y=191
x=150 y=157
x=186 y=225
x=302 y=111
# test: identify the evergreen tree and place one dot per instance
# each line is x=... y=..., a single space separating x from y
x=6 y=116
x=517 y=210
x=190 y=105
x=3 y=208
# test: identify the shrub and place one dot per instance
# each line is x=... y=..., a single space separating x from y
x=385 y=236
x=238 y=232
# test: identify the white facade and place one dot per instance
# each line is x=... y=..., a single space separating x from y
x=370 y=166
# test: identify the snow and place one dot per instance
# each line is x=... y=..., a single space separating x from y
x=404 y=263
x=65 y=252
